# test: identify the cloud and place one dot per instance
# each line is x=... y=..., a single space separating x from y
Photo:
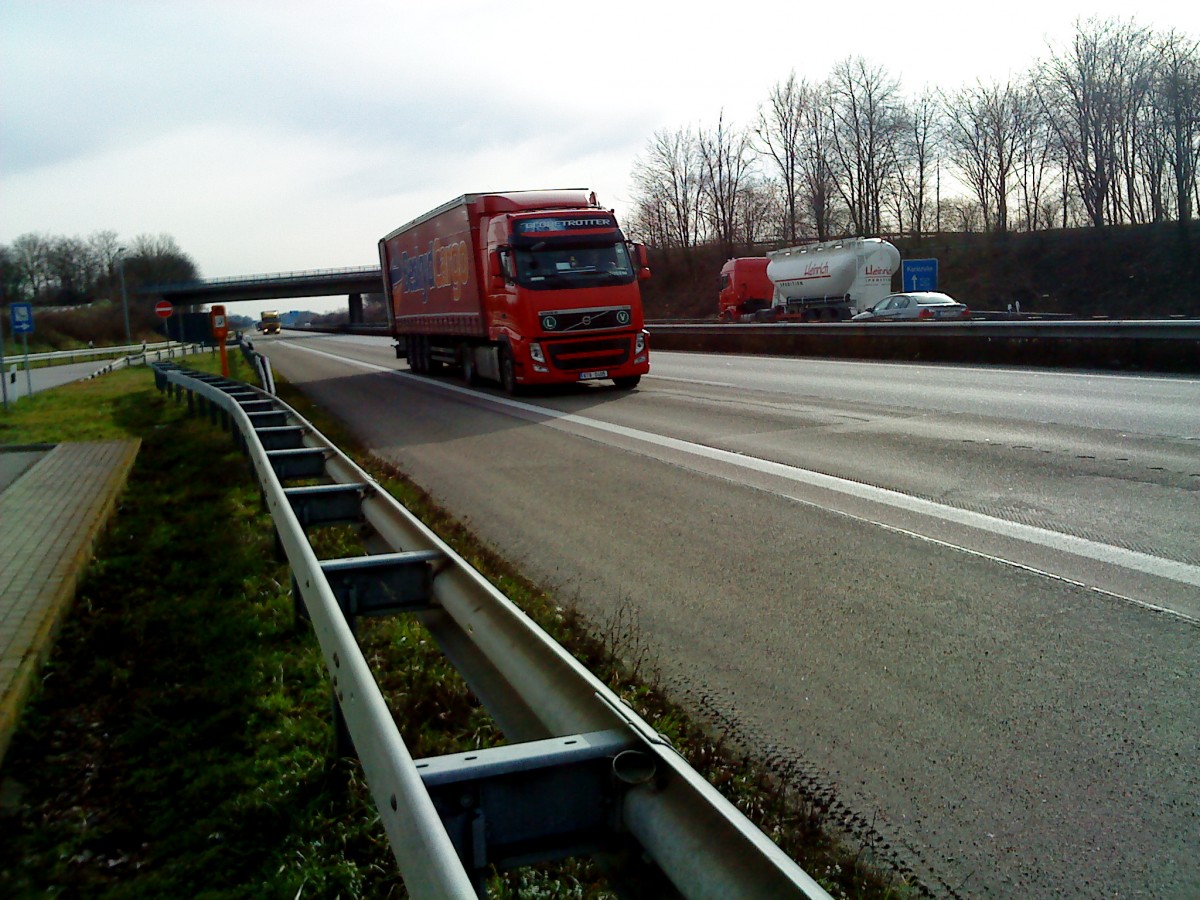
x=293 y=133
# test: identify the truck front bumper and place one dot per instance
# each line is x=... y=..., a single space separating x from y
x=586 y=358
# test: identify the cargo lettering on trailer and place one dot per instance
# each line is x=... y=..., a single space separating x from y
x=441 y=266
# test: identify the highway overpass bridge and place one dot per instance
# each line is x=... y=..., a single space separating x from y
x=353 y=282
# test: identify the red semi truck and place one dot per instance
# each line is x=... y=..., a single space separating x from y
x=524 y=288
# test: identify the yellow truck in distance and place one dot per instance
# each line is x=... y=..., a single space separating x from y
x=269 y=324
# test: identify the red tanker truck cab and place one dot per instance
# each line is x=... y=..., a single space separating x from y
x=523 y=288
x=745 y=288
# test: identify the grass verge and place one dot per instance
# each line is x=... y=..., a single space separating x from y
x=180 y=742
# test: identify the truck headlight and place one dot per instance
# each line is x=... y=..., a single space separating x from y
x=535 y=353
x=639 y=342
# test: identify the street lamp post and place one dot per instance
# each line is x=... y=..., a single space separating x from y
x=124 y=297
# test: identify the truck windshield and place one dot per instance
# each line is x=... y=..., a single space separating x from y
x=542 y=266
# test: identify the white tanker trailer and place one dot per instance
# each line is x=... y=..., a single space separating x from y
x=829 y=281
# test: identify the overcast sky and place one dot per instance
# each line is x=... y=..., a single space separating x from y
x=270 y=136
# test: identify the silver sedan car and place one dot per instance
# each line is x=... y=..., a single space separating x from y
x=922 y=306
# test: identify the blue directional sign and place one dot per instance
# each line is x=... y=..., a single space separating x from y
x=919 y=275
x=22 y=318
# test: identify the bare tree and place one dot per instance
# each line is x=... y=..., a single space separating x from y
x=157 y=259
x=759 y=214
x=1091 y=95
x=31 y=254
x=668 y=180
x=106 y=246
x=984 y=128
x=726 y=161
x=865 y=109
x=820 y=184
x=917 y=145
x=1177 y=100
x=72 y=270
x=780 y=131
x=1035 y=162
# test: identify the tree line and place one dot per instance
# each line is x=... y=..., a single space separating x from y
x=54 y=270
x=1104 y=130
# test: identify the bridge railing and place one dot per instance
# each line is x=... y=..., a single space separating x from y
x=313 y=274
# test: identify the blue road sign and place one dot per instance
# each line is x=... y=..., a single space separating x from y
x=919 y=275
x=22 y=318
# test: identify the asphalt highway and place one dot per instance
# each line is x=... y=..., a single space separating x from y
x=962 y=604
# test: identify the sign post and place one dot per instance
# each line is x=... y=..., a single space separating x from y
x=163 y=309
x=22 y=324
x=220 y=330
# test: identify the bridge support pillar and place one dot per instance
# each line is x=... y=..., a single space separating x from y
x=356 y=309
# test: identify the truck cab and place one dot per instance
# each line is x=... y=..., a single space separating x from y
x=745 y=288
x=564 y=297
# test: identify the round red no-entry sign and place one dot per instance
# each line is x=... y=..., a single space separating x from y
x=163 y=309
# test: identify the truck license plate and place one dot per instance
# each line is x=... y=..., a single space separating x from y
x=588 y=376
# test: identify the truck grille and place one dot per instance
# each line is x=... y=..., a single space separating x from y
x=559 y=321
x=577 y=356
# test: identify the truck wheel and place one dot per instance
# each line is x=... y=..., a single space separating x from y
x=628 y=383
x=470 y=372
x=508 y=373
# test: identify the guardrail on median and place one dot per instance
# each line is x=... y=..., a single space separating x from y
x=583 y=769
x=1164 y=346
x=1159 y=346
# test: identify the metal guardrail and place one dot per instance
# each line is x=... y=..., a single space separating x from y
x=144 y=358
x=1171 y=345
x=130 y=359
x=584 y=770
x=1165 y=346
x=1122 y=329
x=261 y=364
x=84 y=353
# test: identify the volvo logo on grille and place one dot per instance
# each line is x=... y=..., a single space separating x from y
x=623 y=316
x=549 y=323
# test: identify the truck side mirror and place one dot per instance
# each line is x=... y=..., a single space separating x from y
x=643 y=261
x=495 y=271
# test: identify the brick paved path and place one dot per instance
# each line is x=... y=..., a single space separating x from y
x=50 y=517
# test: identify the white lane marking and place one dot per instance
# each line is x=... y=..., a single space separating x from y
x=1134 y=560
x=727 y=384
